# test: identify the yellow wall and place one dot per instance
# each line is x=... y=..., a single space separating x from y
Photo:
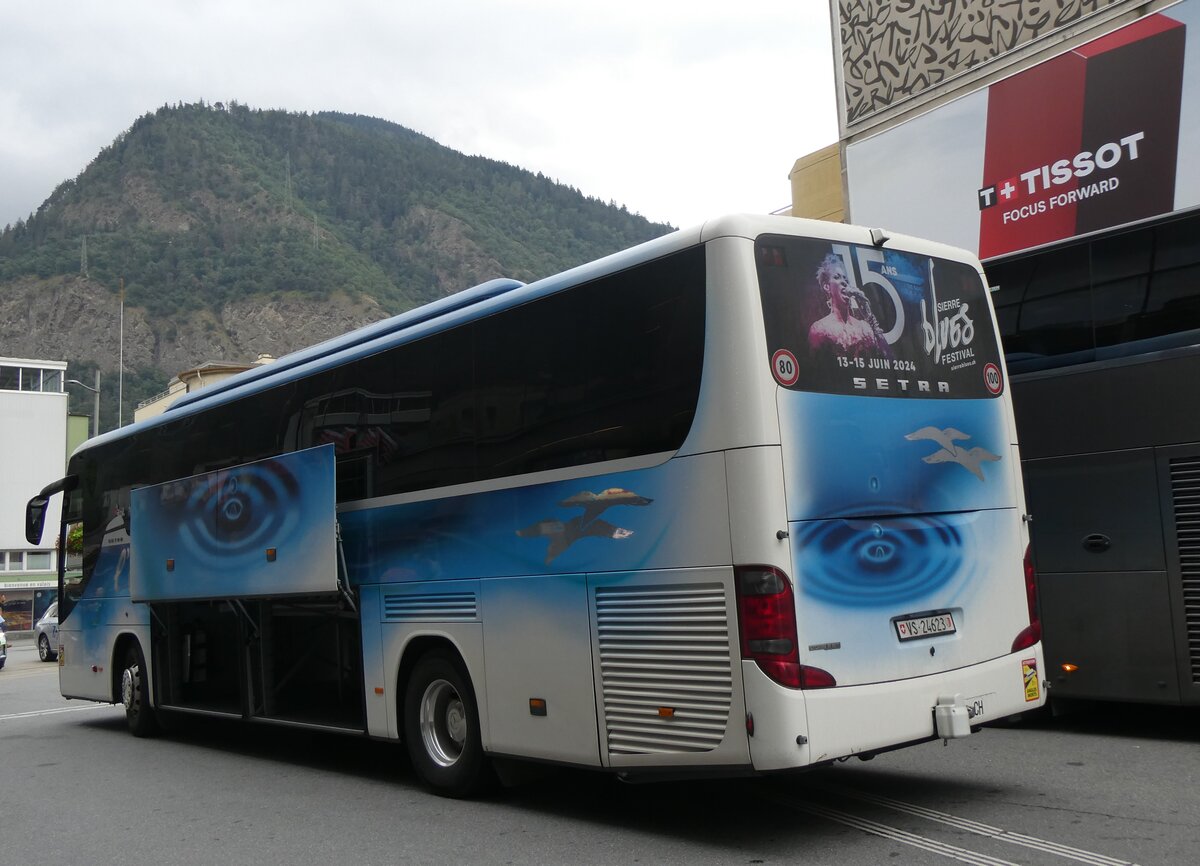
x=817 y=185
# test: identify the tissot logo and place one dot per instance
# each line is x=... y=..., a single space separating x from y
x=1059 y=172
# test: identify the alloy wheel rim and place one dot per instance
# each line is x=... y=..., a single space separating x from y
x=443 y=722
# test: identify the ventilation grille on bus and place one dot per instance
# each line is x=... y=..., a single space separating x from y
x=665 y=668
x=442 y=607
x=1185 y=489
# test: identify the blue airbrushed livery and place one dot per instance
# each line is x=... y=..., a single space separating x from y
x=895 y=507
x=629 y=520
x=852 y=456
x=215 y=529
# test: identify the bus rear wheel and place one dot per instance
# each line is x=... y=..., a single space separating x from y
x=139 y=716
x=441 y=727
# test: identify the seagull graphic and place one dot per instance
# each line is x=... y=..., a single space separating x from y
x=563 y=534
x=970 y=459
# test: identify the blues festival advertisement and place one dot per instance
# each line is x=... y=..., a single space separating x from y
x=859 y=320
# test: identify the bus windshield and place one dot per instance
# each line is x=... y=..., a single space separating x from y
x=852 y=319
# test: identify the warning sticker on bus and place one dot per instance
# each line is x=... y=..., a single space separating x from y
x=1029 y=671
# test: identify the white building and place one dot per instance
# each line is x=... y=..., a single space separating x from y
x=33 y=447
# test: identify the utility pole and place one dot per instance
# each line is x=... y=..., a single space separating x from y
x=121 y=360
x=287 y=180
x=95 y=401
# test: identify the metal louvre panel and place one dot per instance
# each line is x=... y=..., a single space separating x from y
x=1185 y=492
x=664 y=647
x=441 y=607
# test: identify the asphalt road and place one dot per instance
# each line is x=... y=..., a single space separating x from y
x=1108 y=786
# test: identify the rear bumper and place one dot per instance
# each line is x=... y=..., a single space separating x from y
x=799 y=728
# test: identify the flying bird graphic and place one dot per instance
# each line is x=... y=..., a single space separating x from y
x=970 y=459
x=945 y=438
x=563 y=534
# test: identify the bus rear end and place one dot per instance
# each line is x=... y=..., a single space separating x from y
x=914 y=615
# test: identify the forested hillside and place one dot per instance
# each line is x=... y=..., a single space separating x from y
x=236 y=231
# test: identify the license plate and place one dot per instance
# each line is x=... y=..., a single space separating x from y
x=915 y=627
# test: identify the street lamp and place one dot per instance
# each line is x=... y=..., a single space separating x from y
x=96 y=402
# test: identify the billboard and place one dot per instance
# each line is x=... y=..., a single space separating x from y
x=856 y=320
x=1092 y=139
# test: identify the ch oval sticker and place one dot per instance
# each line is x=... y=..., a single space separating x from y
x=785 y=368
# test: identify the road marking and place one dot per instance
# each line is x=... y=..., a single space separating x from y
x=998 y=833
x=26 y=674
x=963 y=855
x=35 y=713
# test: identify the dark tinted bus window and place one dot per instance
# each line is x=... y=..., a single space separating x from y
x=1008 y=282
x=1056 y=313
x=597 y=372
x=1130 y=292
x=600 y=372
x=1173 y=304
x=1120 y=276
x=400 y=420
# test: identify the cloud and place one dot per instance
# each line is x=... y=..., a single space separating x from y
x=677 y=110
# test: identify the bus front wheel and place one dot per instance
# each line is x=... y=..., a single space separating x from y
x=441 y=726
x=139 y=716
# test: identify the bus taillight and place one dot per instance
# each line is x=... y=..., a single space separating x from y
x=767 y=621
x=1032 y=633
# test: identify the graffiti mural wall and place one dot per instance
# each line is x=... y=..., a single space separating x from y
x=896 y=49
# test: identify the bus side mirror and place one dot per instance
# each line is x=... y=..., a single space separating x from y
x=35 y=518
x=35 y=511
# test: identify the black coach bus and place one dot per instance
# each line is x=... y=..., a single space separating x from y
x=1102 y=340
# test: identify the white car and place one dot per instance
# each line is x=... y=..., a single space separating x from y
x=45 y=632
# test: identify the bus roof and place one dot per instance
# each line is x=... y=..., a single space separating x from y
x=496 y=295
x=365 y=334
x=470 y=304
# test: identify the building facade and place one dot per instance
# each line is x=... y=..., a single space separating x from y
x=192 y=379
x=1058 y=141
x=33 y=448
x=1018 y=130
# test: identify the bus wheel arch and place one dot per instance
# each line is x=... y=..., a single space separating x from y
x=439 y=719
x=131 y=687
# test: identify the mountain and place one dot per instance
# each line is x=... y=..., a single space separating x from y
x=234 y=231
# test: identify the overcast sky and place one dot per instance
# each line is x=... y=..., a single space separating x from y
x=677 y=110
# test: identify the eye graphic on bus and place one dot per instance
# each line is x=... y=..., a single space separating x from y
x=860 y=563
x=563 y=534
x=235 y=512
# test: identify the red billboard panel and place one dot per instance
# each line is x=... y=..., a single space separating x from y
x=1085 y=141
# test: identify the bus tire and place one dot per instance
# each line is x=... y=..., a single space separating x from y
x=139 y=715
x=441 y=726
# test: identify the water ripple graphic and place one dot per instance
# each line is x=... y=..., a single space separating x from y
x=866 y=563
